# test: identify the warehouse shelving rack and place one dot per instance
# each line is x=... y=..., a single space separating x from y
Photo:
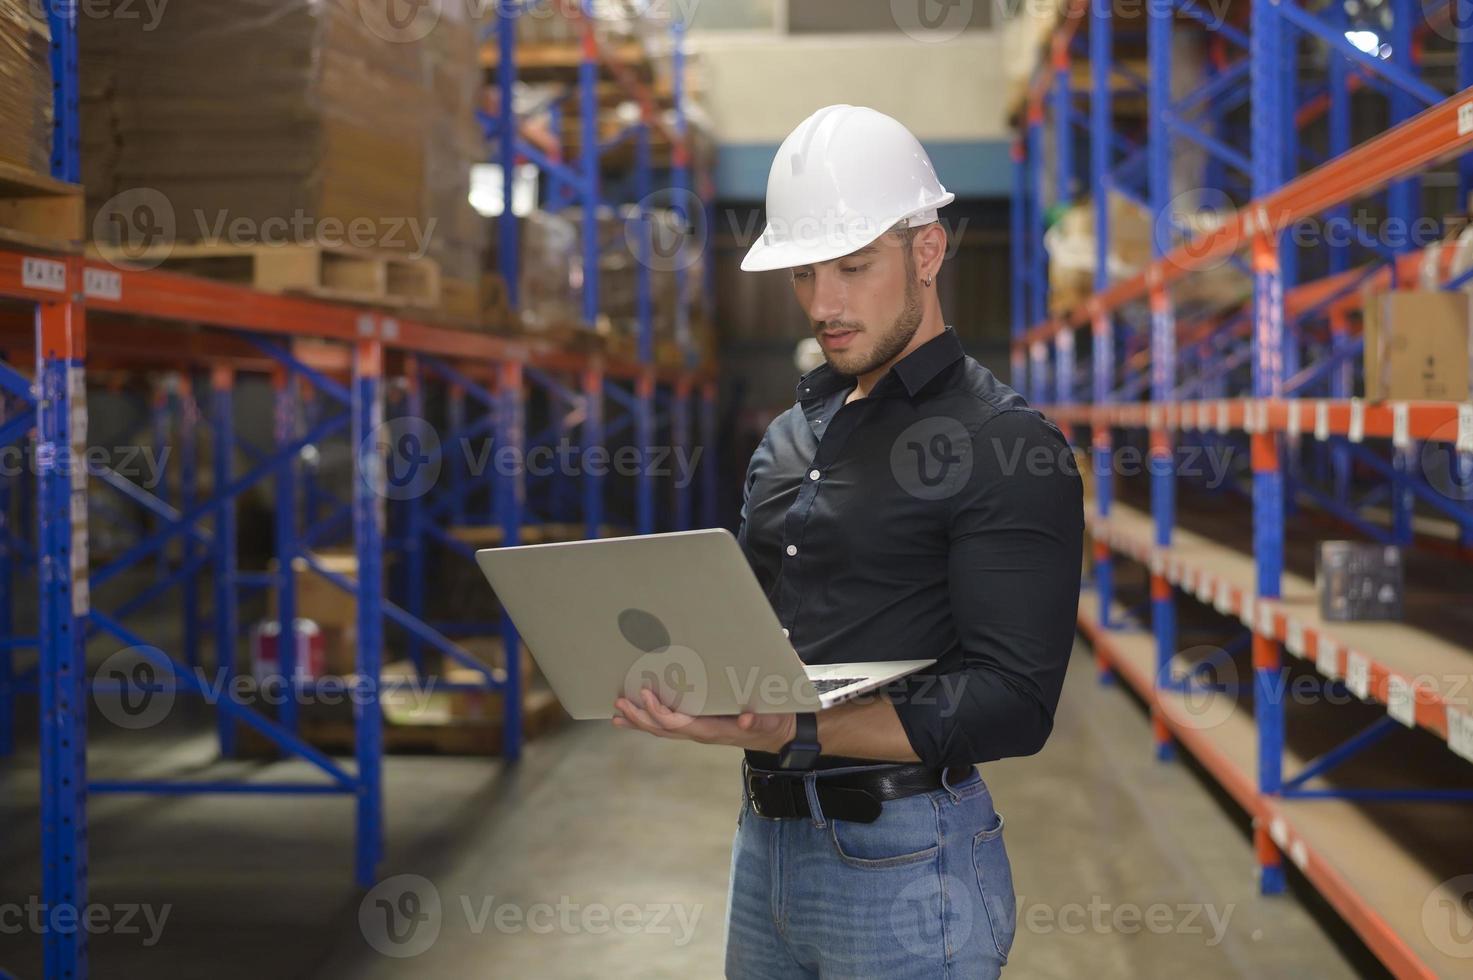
x=62 y=315
x=1142 y=364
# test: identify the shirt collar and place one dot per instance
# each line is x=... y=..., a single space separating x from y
x=915 y=370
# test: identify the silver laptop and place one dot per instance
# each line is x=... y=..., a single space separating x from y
x=681 y=613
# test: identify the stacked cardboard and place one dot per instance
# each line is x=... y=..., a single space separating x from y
x=302 y=111
x=25 y=86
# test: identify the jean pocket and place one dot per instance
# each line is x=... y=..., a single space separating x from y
x=903 y=835
x=995 y=880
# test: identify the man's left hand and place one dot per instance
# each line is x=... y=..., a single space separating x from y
x=748 y=730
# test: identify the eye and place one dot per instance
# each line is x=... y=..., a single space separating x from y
x=855 y=269
x=802 y=275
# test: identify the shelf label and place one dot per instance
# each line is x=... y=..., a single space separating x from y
x=1250 y=417
x=1358 y=674
x=1222 y=416
x=1401 y=702
x=1465 y=428
x=1294 y=637
x=1460 y=732
x=46 y=274
x=1465 y=118
x=1154 y=417
x=390 y=329
x=1266 y=619
x=1357 y=420
x=1321 y=421
x=1401 y=428
x=1223 y=602
x=1204 y=588
x=1327 y=657
x=1293 y=425
x=102 y=284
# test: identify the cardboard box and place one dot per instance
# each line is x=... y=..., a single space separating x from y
x=1357 y=581
x=1417 y=345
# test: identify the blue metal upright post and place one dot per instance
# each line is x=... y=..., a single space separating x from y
x=286 y=548
x=222 y=418
x=644 y=438
x=1102 y=324
x=1270 y=118
x=1462 y=19
x=507 y=231
x=64 y=595
x=189 y=421
x=7 y=607
x=1018 y=222
x=680 y=182
x=710 y=515
x=1163 y=354
x=588 y=123
x=680 y=439
x=511 y=432
x=454 y=471
x=643 y=300
x=368 y=532
x=592 y=432
x=412 y=546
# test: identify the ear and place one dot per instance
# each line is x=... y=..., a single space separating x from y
x=929 y=244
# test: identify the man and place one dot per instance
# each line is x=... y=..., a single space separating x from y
x=910 y=505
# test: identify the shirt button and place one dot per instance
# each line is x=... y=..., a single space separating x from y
x=792 y=550
x=813 y=474
x=785 y=631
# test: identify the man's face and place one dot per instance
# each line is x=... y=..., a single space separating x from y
x=865 y=307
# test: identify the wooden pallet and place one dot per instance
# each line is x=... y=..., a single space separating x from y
x=327 y=272
x=335 y=734
x=40 y=212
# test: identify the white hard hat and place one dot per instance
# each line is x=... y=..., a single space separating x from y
x=842 y=179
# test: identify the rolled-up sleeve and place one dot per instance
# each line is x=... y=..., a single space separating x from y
x=1016 y=534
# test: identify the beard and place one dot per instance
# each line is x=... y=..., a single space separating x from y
x=889 y=342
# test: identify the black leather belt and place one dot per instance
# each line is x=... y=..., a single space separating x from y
x=856 y=796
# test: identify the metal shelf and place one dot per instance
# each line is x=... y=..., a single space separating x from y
x=337 y=370
x=1273 y=379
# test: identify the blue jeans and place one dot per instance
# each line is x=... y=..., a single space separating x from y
x=924 y=891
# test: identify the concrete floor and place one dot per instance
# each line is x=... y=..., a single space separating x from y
x=615 y=847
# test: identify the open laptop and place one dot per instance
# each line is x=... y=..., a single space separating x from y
x=681 y=613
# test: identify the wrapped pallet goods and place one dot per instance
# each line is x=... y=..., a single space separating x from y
x=25 y=86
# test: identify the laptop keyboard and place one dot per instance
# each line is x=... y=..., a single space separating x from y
x=826 y=684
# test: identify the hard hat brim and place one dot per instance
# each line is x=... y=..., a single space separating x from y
x=767 y=255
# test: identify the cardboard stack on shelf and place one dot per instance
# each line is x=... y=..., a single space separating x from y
x=291 y=124
x=25 y=86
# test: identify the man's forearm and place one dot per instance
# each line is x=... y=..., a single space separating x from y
x=865 y=729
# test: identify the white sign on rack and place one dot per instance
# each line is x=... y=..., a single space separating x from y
x=1321 y=421
x=47 y=274
x=1357 y=420
x=1460 y=732
x=1222 y=416
x=1327 y=657
x=1358 y=674
x=1401 y=703
x=1401 y=427
x=102 y=284
x=1294 y=637
x=1293 y=425
x=1465 y=428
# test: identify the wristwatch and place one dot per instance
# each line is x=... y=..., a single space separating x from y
x=802 y=751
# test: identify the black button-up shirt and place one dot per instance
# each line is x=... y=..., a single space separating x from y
x=938 y=517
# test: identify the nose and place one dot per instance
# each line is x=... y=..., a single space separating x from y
x=827 y=302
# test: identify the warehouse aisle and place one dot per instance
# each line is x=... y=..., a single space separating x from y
x=1099 y=834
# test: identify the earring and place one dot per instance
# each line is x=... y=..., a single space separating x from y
x=928 y=280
